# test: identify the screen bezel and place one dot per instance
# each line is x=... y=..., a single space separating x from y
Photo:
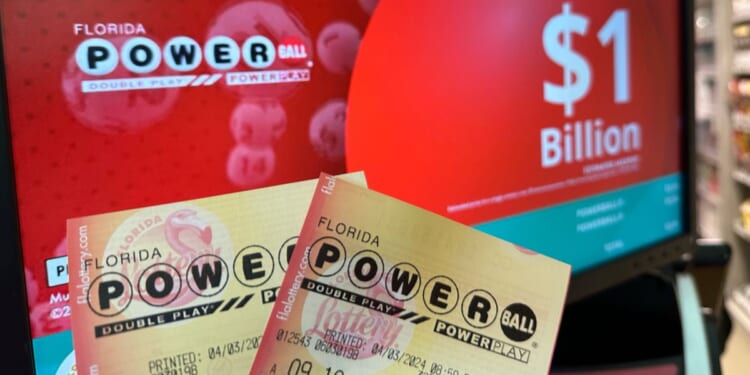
x=19 y=356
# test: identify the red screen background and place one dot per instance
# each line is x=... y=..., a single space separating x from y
x=68 y=168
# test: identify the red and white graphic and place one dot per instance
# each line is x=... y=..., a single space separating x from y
x=258 y=123
x=114 y=111
x=187 y=234
x=178 y=237
x=249 y=166
x=262 y=26
x=293 y=51
x=327 y=320
x=114 y=106
x=337 y=47
x=327 y=130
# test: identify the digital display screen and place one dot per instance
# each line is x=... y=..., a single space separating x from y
x=554 y=125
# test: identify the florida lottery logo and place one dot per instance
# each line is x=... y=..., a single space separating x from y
x=164 y=257
x=368 y=338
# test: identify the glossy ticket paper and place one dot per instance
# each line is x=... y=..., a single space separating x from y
x=377 y=286
x=183 y=288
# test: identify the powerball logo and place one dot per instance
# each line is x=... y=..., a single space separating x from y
x=183 y=62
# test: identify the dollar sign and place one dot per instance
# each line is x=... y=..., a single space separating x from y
x=560 y=50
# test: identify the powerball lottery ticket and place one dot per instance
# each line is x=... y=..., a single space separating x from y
x=183 y=288
x=377 y=286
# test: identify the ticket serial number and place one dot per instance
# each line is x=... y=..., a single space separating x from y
x=336 y=349
x=293 y=338
x=186 y=370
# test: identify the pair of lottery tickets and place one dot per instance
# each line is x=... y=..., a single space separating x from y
x=315 y=277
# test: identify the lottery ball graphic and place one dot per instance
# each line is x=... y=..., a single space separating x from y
x=327 y=130
x=250 y=167
x=115 y=112
x=274 y=22
x=258 y=123
x=337 y=45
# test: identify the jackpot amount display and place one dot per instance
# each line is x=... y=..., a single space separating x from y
x=518 y=113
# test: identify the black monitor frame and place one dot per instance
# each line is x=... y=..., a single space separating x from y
x=16 y=328
x=18 y=355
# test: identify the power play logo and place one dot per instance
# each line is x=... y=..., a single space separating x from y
x=220 y=58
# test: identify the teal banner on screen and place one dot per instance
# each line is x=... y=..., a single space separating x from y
x=53 y=354
x=591 y=231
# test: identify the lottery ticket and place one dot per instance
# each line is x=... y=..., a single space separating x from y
x=378 y=286
x=183 y=288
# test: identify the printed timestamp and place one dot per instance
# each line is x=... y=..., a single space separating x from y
x=399 y=356
x=440 y=369
x=234 y=347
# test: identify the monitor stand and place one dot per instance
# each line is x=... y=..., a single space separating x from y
x=652 y=324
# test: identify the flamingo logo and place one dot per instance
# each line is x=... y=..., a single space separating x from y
x=186 y=260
